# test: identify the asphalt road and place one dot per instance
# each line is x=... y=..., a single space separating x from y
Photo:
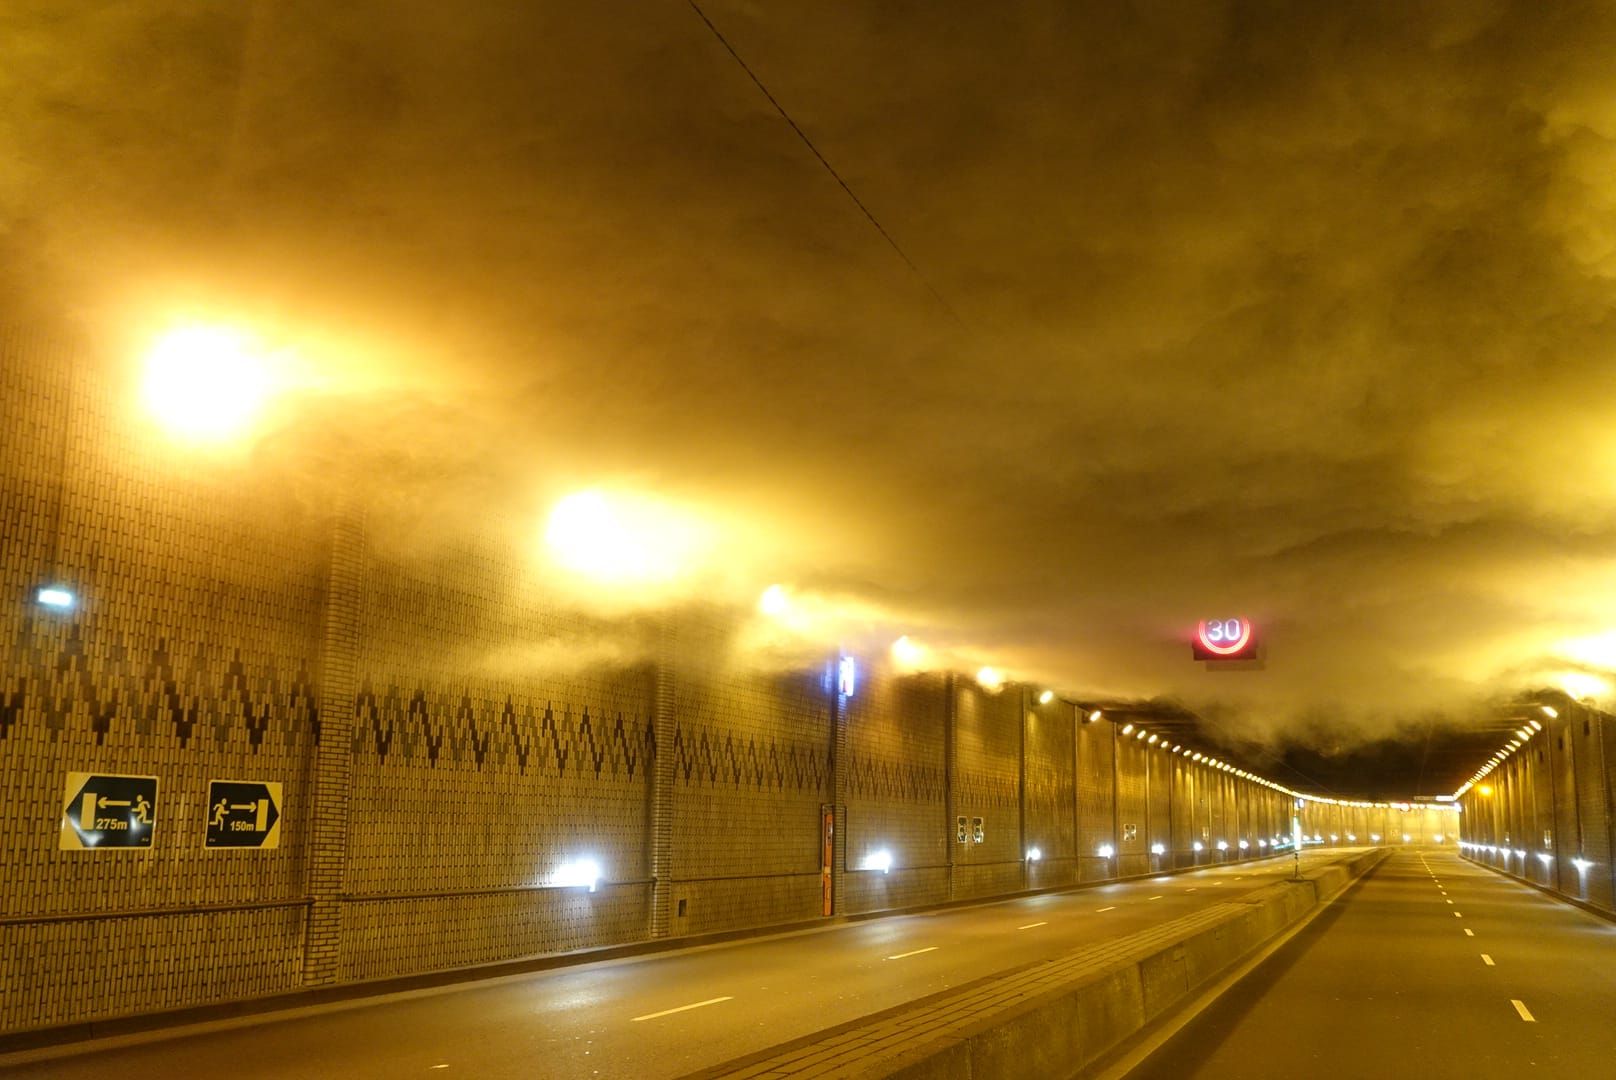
x=666 y=1014
x=1430 y=968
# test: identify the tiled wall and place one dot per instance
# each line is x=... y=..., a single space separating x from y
x=445 y=749
x=192 y=655
x=1544 y=815
x=897 y=793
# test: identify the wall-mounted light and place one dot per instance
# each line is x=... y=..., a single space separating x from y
x=1158 y=849
x=846 y=676
x=55 y=597
x=1034 y=854
x=1198 y=846
x=878 y=860
x=1105 y=851
x=1046 y=697
x=577 y=874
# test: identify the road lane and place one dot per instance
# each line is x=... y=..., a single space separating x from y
x=1384 y=984
x=666 y=1014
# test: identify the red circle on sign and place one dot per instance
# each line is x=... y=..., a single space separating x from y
x=1225 y=647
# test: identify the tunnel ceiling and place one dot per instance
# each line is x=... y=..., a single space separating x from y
x=1034 y=333
x=1422 y=762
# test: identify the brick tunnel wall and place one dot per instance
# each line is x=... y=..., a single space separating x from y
x=446 y=746
x=1544 y=815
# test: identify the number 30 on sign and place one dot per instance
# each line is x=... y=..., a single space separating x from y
x=1225 y=639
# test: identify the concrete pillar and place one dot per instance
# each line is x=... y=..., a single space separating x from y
x=1078 y=715
x=838 y=787
x=1021 y=783
x=333 y=754
x=661 y=794
x=950 y=764
x=1115 y=866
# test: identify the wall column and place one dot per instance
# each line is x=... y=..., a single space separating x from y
x=333 y=754
x=838 y=793
x=661 y=794
x=949 y=766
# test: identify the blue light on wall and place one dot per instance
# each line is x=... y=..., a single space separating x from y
x=846 y=676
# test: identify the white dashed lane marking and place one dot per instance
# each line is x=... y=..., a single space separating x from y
x=1485 y=959
x=1469 y=932
x=1520 y=1007
x=913 y=952
x=680 y=1009
x=1113 y=907
x=1030 y=925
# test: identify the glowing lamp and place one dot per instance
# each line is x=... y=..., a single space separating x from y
x=57 y=598
x=878 y=860
x=205 y=383
x=577 y=873
x=846 y=676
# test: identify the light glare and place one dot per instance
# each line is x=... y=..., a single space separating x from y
x=628 y=541
x=55 y=598
x=878 y=860
x=204 y=383
x=577 y=873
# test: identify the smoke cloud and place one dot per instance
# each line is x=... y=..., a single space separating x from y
x=1300 y=312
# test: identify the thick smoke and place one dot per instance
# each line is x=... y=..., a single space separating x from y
x=1296 y=311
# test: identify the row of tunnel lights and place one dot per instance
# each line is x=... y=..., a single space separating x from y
x=586 y=873
x=1546 y=857
x=1152 y=739
x=1523 y=735
x=882 y=860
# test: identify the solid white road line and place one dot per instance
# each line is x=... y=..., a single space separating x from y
x=680 y=1009
x=1030 y=925
x=1485 y=959
x=1520 y=1007
x=1113 y=907
x=912 y=952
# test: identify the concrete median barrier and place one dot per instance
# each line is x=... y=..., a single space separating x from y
x=1056 y=1017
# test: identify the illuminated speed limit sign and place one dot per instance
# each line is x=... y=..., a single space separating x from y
x=1225 y=639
